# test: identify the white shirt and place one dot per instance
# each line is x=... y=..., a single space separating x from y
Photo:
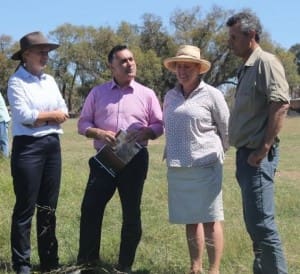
x=28 y=95
x=4 y=115
x=196 y=128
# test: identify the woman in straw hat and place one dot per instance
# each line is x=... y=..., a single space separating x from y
x=196 y=121
x=38 y=110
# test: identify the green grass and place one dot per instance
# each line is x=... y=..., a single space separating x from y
x=163 y=248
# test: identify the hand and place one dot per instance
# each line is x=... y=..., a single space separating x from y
x=140 y=135
x=255 y=158
x=107 y=136
x=58 y=117
x=132 y=136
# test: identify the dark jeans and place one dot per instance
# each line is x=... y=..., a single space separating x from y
x=101 y=186
x=257 y=188
x=36 y=172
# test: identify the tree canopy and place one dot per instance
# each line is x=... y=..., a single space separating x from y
x=81 y=60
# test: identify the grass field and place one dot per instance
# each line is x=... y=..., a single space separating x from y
x=163 y=248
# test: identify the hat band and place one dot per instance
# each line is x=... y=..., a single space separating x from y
x=189 y=56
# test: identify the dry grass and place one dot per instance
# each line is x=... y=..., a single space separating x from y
x=163 y=249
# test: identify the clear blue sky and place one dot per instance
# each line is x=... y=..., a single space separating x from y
x=280 y=18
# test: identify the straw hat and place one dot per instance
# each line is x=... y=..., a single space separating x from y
x=31 y=40
x=187 y=53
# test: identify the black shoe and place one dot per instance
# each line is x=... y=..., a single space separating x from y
x=89 y=267
x=122 y=270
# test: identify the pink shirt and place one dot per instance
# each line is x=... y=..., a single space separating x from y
x=110 y=107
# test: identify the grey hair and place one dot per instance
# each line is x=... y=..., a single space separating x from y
x=248 y=21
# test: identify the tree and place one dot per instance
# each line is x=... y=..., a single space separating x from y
x=7 y=66
x=81 y=60
x=149 y=69
x=295 y=49
x=128 y=33
x=210 y=35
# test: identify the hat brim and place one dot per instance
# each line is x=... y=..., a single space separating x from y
x=18 y=55
x=170 y=63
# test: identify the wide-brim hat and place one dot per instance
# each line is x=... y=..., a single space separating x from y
x=30 y=40
x=190 y=54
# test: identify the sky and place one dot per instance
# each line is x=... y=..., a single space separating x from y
x=279 y=18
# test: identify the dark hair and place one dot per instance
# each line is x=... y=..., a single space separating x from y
x=248 y=21
x=115 y=49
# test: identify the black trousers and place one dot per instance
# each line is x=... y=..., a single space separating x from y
x=36 y=172
x=100 y=188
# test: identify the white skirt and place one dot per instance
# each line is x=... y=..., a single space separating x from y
x=195 y=194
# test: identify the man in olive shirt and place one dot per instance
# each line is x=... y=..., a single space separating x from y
x=261 y=104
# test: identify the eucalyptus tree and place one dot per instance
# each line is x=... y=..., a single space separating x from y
x=155 y=39
x=80 y=61
x=208 y=32
x=129 y=34
x=149 y=69
x=295 y=49
x=288 y=60
x=7 y=66
x=63 y=59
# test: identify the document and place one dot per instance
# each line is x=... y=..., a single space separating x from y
x=114 y=159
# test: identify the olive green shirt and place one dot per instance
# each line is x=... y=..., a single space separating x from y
x=261 y=80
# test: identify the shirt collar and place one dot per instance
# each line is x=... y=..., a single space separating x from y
x=249 y=63
x=23 y=73
x=115 y=85
x=253 y=57
x=201 y=85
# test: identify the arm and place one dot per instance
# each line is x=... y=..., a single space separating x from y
x=50 y=117
x=155 y=124
x=105 y=135
x=277 y=114
x=141 y=135
x=154 y=128
x=59 y=113
x=30 y=111
x=221 y=116
x=87 y=125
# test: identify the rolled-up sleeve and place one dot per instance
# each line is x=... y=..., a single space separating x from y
x=86 y=119
x=277 y=87
x=21 y=109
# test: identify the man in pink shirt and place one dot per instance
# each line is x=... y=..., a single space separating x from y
x=124 y=104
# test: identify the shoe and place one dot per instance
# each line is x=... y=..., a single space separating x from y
x=122 y=270
x=23 y=269
x=51 y=269
x=88 y=267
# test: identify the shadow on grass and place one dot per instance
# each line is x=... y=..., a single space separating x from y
x=5 y=267
x=103 y=268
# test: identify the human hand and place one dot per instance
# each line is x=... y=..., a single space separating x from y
x=141 y=135
x=58 y=117
x=255 y=158
x=107 y=136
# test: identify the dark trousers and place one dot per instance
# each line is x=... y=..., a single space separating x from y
x=100 y=188
x=36 y=172
x=257 y=187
